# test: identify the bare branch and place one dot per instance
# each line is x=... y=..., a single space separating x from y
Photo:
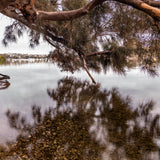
x=140 y=5
x=97 y=53
x=68 y=15
x=31 y=14
x=87 y=70
x=153 y=3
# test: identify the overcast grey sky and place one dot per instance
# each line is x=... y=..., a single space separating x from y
x=22 y=45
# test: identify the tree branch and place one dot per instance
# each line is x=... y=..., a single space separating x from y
x=153 y=3
x=97 y=53
x=87 y=70
x=68 y=15
x=2 y=77
x=147 y=6
x=31 y=14
x=140 y=5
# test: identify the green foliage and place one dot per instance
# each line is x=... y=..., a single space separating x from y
x=110 y=19
x=110 y=26
x=2 y=59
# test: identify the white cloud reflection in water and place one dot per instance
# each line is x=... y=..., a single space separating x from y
x=29 y=84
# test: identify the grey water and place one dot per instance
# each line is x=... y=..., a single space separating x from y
x=44 y=86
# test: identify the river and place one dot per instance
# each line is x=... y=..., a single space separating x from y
x=37 y=88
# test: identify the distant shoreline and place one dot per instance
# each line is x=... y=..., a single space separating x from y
x=22 y=56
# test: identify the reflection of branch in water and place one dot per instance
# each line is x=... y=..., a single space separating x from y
x=90 y=99
x=4 y=84
x=3 y=81
x=81 y=133
x=2 y=77
x=55 y=136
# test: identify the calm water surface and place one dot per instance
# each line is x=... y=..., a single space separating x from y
x=49 y=114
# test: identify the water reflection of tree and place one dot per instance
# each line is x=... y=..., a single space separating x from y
x=86 y=123
x=3 y=81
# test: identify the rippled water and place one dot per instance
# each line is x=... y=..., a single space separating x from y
x=52 y=114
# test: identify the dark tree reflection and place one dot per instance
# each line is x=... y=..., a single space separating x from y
x=87 y=122
x=4 y=82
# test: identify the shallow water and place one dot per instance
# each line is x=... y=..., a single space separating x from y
x=59 y=114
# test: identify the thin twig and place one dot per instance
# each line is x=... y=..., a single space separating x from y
x=86 y=68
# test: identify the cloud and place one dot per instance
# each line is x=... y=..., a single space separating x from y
x=22 y=45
